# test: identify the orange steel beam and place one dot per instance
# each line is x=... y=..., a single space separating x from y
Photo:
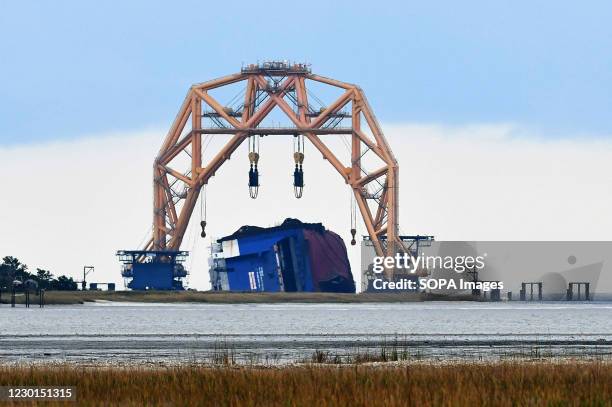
x=316 y=141
x=218 y=108
x=382 y=208
x=170 y=201
x=271 y=131
x=332 y=82
x=355 y=143
x=371 y=145
x=206 y=172
x=196 y=141
x=166 y=156
x=170 y=217
x=216 y=83
x=249 y=100
x=176 y=174
x=372 y=176
x=239 y=137
x=302 y=98
x=179 y=123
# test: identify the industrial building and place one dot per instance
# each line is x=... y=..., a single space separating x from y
x=153 y=270
x=292 y=257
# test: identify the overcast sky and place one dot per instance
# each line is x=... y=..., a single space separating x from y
x=71 y=203
x=499 y=113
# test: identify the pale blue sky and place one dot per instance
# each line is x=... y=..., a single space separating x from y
x=74 y=68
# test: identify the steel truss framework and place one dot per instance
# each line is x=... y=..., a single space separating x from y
x=376 y=192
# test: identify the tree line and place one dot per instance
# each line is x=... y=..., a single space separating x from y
x=12 y=269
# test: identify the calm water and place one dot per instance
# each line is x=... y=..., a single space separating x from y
x=271 y=333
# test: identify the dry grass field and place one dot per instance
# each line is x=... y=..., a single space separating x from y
x=502 y=384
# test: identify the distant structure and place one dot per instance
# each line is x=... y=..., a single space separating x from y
x=97 y=286
x=153 y=270
x=25 y=289
x=412 y=245
x=495 y=294
x=86 y=271
x=523 y=292
x=577 y=296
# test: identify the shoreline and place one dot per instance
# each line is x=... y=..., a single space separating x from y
x=81 y=297
x=218 y=350
x=155 y=365
x=213 y=297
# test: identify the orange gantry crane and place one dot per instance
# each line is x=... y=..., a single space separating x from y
x=266 y=86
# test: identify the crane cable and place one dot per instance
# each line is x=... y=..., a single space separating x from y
x=203 y=211
x=353 y=218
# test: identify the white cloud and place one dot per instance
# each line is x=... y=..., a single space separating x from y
x=69 y=204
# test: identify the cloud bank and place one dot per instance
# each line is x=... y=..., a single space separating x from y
x=70 y=204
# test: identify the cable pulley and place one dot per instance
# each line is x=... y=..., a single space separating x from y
x=253 y=171
x=298 y=172
x=203 y=226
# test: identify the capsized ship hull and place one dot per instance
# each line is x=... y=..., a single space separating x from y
x=292 y=257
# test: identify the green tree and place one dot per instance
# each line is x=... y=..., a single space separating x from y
x=63 y=283
x=12 y=269
x=44 y=278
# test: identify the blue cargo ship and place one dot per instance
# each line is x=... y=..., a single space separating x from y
x=292 y=257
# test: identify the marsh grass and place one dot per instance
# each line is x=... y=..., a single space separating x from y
x=503 y=384
x=389 y=351
x=360 y=356
x=223 y=354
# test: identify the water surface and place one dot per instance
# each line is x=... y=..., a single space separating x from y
x=138 y=332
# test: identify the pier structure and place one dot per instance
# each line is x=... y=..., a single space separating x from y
x=531 y=285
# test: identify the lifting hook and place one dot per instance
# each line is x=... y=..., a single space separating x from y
x=203 y=225
x=253 y=175
x=298 y=174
